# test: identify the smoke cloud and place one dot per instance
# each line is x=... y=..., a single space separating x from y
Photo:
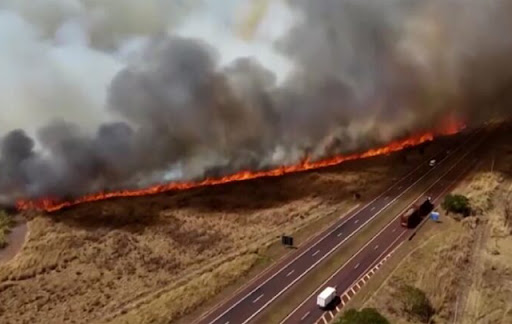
x=123 y=94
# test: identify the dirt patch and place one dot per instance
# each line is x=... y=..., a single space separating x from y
x=134 y=257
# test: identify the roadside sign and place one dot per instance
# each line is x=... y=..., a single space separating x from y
x=287 y=240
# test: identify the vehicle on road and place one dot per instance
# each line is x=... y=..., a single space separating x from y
x=432 y=163
x=413 y=216
x=326 y=297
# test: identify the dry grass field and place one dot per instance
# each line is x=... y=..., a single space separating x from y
x=153 y=259
x=5 y=224
x=465 y=266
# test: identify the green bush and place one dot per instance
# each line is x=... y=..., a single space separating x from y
x=458 y=204
x=365 y=316
x=416 y=303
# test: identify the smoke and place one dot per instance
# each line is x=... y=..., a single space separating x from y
x=101 y=95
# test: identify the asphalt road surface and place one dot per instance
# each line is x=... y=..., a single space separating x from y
x=258 y=294
x=381 y=244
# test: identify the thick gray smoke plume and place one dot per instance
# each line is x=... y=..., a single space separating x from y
x=133 y=93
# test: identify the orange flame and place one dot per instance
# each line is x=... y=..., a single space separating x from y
x=52 y=205
x=451 y=124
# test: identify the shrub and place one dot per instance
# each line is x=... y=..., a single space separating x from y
x=416 y=303
x=458 y=204
x=365 y=316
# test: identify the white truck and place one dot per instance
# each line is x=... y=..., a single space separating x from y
x=326 y=297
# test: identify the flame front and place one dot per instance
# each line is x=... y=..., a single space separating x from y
x=52 y=205
x=451 y=124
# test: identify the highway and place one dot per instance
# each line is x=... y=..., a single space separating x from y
x=251 y=300
x=379 y=246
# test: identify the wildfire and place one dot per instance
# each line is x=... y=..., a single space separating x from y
x=52 y=205
x=451 y=124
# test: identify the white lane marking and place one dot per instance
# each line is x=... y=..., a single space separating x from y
x=372 y=209
x=394 y=230
x=340 y=234
x=399 y=187
x=338 y=309
x=332 y=315
x=317 y=251
x=339 y=244
x=292 y=261
x=290 y=273
x=386 y=198
x=258 y=298
x=357 y=266
x=356 y=221
x=269 y=269
x=305 y=315
x=298 y=256
x=376 y=247
x=227 y=322
x=374 y=238
x=325 y=321
x=351 y=289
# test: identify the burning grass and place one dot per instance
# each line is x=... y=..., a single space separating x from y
x=51 y=205
x=130 y=259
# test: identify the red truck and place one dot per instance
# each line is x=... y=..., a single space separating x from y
x=413 y=216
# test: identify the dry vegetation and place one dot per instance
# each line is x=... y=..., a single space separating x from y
x=6 y=222
x=129 y=260
x=488 y=296
x=435 y=268
x=465 y=268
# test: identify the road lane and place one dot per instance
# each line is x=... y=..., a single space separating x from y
x=368 y=256
x=241 y=309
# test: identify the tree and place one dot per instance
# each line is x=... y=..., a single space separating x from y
x=416 y=303
x=458 y=204
x=365 y=316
